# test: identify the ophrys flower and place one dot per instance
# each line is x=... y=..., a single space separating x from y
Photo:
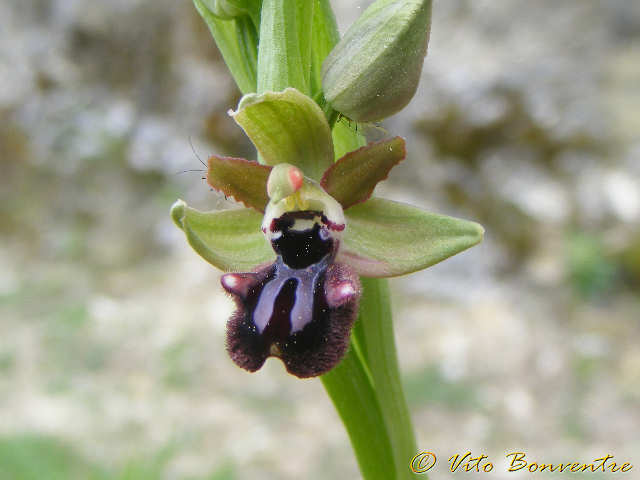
x=311 y=228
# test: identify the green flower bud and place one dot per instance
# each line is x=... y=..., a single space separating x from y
x=373 y=72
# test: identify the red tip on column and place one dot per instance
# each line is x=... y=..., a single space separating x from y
x=296 y=178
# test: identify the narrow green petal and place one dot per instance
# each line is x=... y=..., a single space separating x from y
x=287 y=127
x=386 y=239
x=230 y=240
x=352 y=179
x=241 y=179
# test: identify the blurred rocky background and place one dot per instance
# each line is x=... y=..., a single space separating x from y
x=112 y=361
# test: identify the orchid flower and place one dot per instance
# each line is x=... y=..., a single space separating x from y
x=309 y=230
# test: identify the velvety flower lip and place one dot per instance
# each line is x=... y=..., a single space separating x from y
x=301 y=315
x=301 y=307
x=298 y=296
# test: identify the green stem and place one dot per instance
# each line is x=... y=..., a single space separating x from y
x=374 y=336
x=350 y=389
x=376 y=328
x=373 y=333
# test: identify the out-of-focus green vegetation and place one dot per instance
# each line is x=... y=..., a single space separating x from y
x=34 y=457
x=429 y=387
x=591 y=271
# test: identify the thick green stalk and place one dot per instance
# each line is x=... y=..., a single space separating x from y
x=373 y=333
x=350 y=396
x=350 y=389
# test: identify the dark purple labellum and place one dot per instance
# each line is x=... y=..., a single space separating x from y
x=300 y=308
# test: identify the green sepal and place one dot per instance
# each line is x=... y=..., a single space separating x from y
x=237 y=40
x=353 y=178
x=374 y=71
x=287 y=127
x=386 y=239
x=230 y=240
x=241 y=179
